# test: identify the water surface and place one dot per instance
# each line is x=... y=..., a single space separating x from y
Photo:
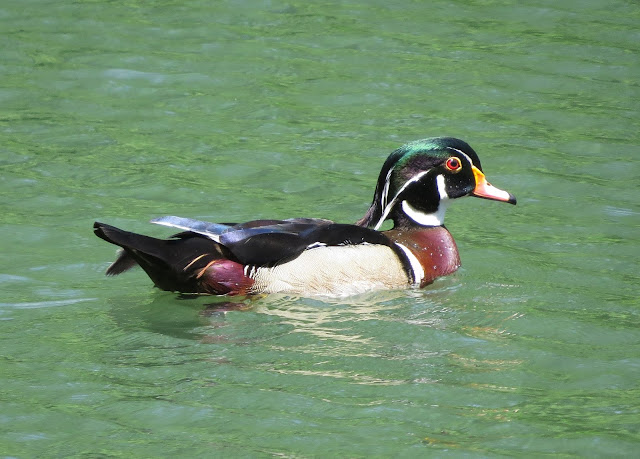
x=231 y=111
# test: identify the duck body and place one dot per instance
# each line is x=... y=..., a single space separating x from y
x=316 y=256
x=324 y=259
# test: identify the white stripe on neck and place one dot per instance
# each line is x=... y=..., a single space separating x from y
x=433 y=219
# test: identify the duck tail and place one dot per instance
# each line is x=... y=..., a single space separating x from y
x=170 y=263
x=130 y=243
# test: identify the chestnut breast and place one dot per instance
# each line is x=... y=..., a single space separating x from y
x=434 y=248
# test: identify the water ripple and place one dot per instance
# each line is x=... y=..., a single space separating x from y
x=44 y=304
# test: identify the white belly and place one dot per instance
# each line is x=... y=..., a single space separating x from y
x=343 y=270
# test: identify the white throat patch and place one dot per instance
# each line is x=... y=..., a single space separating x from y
x=433 y=219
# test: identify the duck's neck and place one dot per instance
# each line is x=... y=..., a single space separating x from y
x=411 y=216
x=405 y=215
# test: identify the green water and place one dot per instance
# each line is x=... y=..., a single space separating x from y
x=230 y=111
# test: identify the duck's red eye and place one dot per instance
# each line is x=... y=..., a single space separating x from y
x=453 y=164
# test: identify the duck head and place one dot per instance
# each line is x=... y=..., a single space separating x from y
x=419 y=180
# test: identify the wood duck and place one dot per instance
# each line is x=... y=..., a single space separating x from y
x=309 y=256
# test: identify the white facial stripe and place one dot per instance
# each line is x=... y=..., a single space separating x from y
x=416 y=267
x=385 y=190
x=462 y=153
x=389 y=206
x=434 y=219
x=442 y=190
